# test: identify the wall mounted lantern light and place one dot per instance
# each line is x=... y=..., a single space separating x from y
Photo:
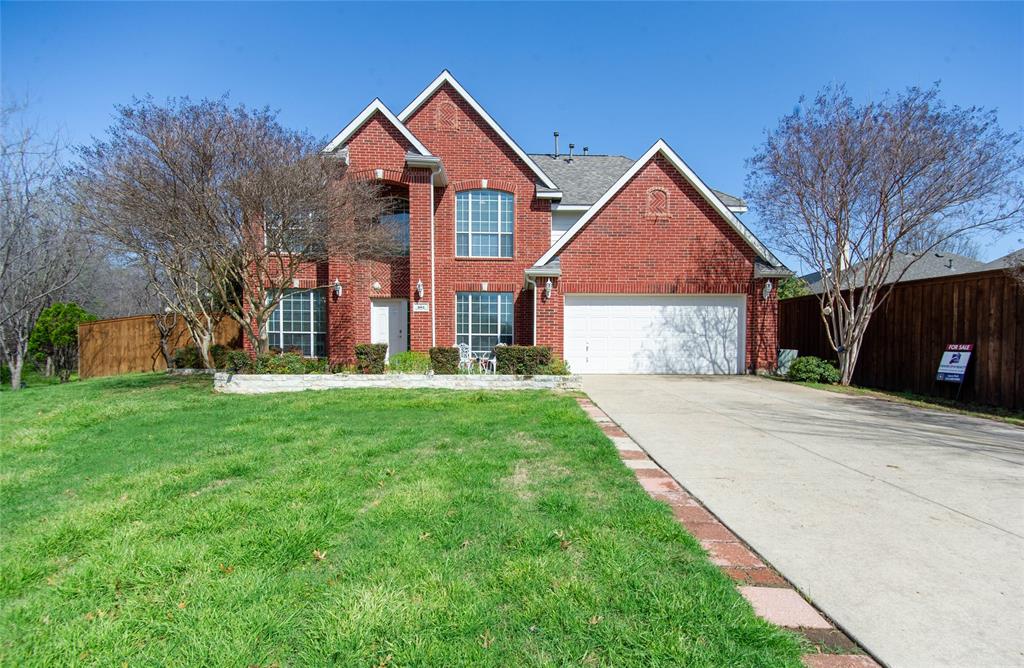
x=767 y=290
x=419 y=289
x=337 y=288
x=547 y=289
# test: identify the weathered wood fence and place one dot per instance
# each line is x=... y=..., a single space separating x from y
x=906 y=337
x=123 y=345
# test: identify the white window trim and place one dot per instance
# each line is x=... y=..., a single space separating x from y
x=366 y=114
x=312 y=333
x=471 y=233
x=469 y=321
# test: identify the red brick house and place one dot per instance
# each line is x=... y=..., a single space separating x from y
x=619 y=266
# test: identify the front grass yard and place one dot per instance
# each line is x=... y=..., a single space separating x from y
x=148 y=521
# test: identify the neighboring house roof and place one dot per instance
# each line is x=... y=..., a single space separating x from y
x=365 y=115
x=1007 y=261
x=446 y=77
x=929 y=265
x=584 y=178
x=662 y=148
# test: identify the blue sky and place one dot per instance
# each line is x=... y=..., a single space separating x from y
x=709 y=78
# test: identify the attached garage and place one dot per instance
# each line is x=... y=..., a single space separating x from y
x=671 y=334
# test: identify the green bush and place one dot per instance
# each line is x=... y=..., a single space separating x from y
x=316 y=365
x=284 y=363
x=219 y=354
x=444 y=361
x=557 y=367
x=522 y=360
x=188 y=357
x=370 y=357
x=238 y=361
x=55 y=336
x=812 y=369
x=409 y=362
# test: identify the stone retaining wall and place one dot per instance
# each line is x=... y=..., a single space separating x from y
x=264 y=383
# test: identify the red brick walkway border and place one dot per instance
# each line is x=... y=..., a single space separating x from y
x=771 y=595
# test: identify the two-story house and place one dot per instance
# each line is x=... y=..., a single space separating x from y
x=619 y=265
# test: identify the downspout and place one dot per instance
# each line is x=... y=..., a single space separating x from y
x=533 y=282
x=433 y=302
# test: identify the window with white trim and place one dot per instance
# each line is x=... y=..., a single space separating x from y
x=483 y=320
x=484 y=223
x=299 y=321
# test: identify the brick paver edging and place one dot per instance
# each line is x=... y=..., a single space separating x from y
x=770 y=594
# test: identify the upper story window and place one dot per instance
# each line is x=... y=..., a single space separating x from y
x=291 y=233
x=397 y=220
x=483 y=223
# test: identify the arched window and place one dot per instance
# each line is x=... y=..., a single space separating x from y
x=484 y=223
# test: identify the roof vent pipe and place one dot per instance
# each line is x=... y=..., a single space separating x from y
x=571 y=147
x=586 y=150
x=556 y=143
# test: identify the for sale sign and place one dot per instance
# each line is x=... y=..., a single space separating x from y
x=953 y=365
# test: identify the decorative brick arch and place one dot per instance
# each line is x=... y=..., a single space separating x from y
x=505 y=185
x=390 y=175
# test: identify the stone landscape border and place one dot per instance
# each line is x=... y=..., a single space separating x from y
x=236 y=383
x=771 y=595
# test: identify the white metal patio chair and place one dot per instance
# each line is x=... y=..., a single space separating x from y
x=465 y=357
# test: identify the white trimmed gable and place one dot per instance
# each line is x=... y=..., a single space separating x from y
x=446 y=77
x=365 y=115
x=666 y=151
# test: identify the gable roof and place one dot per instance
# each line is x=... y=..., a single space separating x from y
x=365 y=115
x=584 y=178
x=661 y=147
x=1010 y=259
x=912 y=266
x=446 y=77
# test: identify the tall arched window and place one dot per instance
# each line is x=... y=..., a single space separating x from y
x=484 y=223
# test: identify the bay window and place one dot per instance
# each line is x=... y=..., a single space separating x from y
x=483 y=320
x=484 y=223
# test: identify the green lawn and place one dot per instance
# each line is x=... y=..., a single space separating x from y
x=148 y=521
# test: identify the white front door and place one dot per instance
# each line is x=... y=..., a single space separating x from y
x=655 y=333
x=389 y=323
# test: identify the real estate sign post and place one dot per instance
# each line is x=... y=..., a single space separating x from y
x=953 y=365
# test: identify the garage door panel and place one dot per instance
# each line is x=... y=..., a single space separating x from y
x=698 y=334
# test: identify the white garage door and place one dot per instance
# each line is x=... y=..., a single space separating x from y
x=655 y=333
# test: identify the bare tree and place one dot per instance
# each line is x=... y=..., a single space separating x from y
x=40 y=251
x=843 y=185
x=930 y=240
x=227 y=203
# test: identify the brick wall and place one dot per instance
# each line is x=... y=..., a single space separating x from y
x=659 y=236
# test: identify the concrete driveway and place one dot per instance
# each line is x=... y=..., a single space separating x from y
x=906 y=526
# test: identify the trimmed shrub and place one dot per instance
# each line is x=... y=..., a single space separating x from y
x=444 y=361
x=285 y=363
x=188 y=357
x=238 y=361
x=522 y=360
x=315 y=365
x=409 y=362
x=370 y=357
x=812 y=369
x=219 y=354
x=557 y=367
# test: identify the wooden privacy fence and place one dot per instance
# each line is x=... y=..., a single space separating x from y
x=123 y=345
x=907 y=335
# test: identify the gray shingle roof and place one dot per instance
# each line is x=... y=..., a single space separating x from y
x=1006 y=260
x=931 y=265
x=587 y=177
